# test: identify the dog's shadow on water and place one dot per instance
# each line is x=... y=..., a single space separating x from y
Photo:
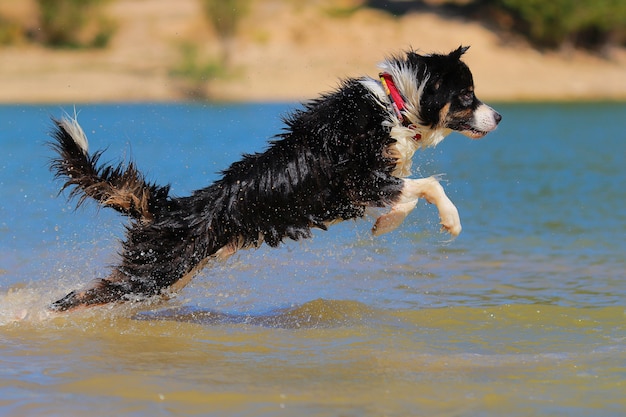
x=318 y=313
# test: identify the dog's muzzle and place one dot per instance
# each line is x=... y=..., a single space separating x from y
x=484 y=121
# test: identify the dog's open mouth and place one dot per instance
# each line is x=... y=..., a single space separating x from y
x=471 y=132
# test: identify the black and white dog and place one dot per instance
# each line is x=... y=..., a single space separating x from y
x=338 y=155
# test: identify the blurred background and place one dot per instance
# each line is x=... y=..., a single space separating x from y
x=283 y=50
x=523 y=314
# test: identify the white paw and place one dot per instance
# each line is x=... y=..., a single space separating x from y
x=450 y=220
x=387 y=222
x=394 y=218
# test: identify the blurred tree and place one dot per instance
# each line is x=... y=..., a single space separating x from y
x=75 y=23
x=11 y=32
x=587 y=23
x=224 y=16
x=194 y=74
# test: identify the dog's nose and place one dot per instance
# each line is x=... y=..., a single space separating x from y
x=497 y=116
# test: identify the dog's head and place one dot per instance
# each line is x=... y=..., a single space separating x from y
x=439 y=93
x=448 y=98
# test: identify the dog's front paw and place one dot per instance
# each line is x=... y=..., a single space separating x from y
x=387 y=222
x=391 y=220
x=450 y=220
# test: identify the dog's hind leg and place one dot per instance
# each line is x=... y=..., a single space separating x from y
x=98 y=291
x=412 y=190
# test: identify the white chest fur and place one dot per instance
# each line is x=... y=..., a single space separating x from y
x=408 y=139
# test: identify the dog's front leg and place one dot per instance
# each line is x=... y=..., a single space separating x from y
x=412 y=190
x=392 y=219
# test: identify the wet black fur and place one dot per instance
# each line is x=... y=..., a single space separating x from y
x=328 y=164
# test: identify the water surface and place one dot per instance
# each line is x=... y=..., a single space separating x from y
x=523 y=314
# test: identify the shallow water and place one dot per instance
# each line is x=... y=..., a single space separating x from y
x=523 y=314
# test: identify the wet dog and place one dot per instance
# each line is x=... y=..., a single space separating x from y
x=340 y=154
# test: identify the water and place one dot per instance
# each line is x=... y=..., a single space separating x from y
x=523 y=314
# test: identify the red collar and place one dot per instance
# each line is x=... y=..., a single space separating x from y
x=396 y=99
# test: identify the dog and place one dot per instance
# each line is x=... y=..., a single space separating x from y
x=338 y=155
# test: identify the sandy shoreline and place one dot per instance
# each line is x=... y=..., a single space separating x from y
x=285 y=52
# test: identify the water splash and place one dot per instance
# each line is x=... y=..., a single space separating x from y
x=21 y=303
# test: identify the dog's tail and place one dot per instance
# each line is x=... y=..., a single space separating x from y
x=120 y=187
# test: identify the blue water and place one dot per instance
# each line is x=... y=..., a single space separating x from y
x=542 y=202
x=522 y=314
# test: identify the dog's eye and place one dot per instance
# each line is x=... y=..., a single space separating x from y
x=466 y=99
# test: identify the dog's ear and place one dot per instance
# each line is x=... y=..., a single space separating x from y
x=456 y=54
x=413 y=56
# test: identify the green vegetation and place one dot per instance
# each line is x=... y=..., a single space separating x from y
x=342 y=11
x=10 y=32
x=590 y=24
x=75 y=23
x=195 y=72
x=582 y=23
x=224 y=16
